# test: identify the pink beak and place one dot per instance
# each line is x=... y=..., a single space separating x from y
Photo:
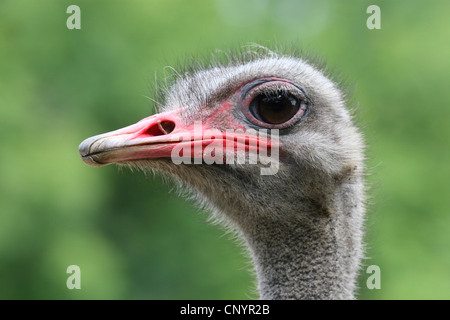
x=157 y=136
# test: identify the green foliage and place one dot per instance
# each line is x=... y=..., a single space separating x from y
x=131 y=237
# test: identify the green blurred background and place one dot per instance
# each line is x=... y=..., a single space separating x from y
x=131 y=237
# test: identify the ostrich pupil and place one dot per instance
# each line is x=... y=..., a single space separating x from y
x=277 y=108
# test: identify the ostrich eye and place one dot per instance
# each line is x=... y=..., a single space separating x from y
x=274 y=108
x=274 y=103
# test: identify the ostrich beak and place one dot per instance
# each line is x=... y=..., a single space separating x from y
x=165 y=136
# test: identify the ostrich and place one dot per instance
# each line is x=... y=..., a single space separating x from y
x=302 y=222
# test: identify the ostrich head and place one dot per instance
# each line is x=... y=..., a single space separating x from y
x=299 y=206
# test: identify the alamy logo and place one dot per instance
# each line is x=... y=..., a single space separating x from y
x=239 y=147
x=74 y=20
x=374 y=280
x=374 y=20
x=74 y=280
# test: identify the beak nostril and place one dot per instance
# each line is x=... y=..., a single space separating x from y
x=159 y=129
x=167 y=126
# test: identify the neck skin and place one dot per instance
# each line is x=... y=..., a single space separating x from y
x=315 y=256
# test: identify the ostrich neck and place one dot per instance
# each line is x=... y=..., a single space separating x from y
x=315 y=256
